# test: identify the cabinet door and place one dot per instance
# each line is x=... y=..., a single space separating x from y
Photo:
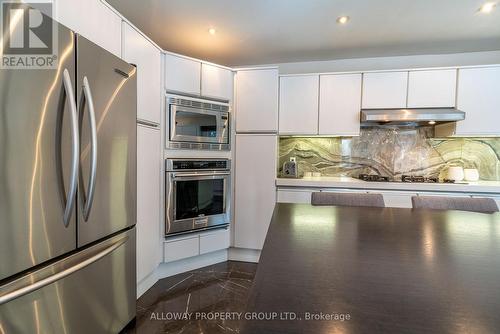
x=214 y=240
x=182 y=75
x=255 y=193
x=139 y=51
x=478 y=96
x=339 y=104
x=93 y=20
x=257 y=100
x=181 y=248
x=384 y=90
x=294 y=196
x=436 y=88
x=216 y=82
x=298 y=104
x=148 y=200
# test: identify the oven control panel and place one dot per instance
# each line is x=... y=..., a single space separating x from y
x=189 y=164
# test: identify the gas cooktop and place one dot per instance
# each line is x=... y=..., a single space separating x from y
x=404 y=178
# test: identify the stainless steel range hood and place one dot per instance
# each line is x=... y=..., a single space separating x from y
x=411 y=116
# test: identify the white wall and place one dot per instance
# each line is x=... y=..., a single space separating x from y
x=388 y=63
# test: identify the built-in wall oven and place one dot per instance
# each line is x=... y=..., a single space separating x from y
x=197 y=195
x=197 y=124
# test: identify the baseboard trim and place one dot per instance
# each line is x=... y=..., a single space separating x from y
x=195 y=262
x=244 y=255
x=146 y=283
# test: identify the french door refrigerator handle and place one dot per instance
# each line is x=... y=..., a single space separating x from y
x=86 y=99
x=46 y=276
x=70 y=202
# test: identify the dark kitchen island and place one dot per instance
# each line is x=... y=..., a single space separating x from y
x=372 y=270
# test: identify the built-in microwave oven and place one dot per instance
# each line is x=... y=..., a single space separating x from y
x=197 y=124
x=197 y=195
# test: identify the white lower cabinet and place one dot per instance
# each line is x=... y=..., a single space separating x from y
x=214 y=241
x=255 y=191
x=294 y=196
x=148 y=200
x=396 y=199
x=183 y=247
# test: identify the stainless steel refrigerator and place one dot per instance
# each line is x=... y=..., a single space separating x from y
x=68 y=193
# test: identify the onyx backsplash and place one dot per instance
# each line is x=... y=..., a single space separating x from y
x=392 y=152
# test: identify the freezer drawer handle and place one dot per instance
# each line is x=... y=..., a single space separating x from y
x=30 y=287
x=70 y=199
x=86 y=99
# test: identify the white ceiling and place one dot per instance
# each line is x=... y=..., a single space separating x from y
x=253 y=32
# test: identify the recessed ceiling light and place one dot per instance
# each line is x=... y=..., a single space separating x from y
x=432 y=122
x=212 y=31
x=487 y=7
x=343 y=19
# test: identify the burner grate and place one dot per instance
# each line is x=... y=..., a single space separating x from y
x=418 y=179
x=373 y=178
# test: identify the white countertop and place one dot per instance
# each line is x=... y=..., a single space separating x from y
x=352 y=183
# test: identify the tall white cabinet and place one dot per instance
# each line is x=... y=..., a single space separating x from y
x=256 y=149
x=138 y=50
x=256 y=101
x=148 y=200
x=93 y=20
x=255 y=193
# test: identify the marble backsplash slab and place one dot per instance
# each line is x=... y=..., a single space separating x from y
x=392 y=152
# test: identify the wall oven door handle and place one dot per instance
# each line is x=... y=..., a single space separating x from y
x=182 y=174
x=86 y=99
x=75 y=146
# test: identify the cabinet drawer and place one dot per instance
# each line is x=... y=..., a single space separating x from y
x=294 y=196
x=180 y=249
x=215 y=241
x=398 y=200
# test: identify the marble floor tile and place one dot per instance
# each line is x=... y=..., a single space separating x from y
x=222 y=287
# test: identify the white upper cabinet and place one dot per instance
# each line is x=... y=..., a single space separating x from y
x=182 y=75
x=339 y=104
x=434 y=88
x=384 y=90
x=257 y=100
x=139 y=51
x=93 y=20
x=298 y=104
x=479 y=97
x=216 y=82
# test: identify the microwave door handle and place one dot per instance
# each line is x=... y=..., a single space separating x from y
x=75 y=146
x=86 y=99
